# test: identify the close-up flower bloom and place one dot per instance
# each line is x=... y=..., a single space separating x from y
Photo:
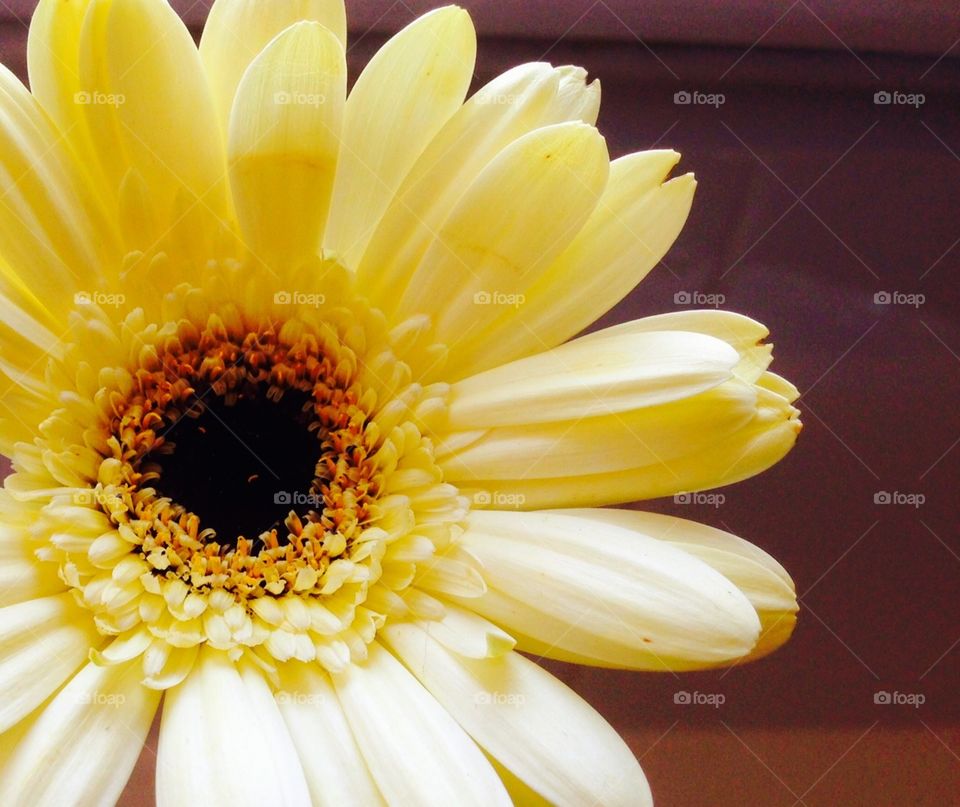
x=307 y=445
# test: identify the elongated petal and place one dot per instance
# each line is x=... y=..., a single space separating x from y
x=762 y=442
x=284 y=141
x=595 y=377
x=334 y=768
x=147 y=102
x=605 y=594
x=233 y=711
x=531 y=723
x=414 y=749
x=85 y=743
x=42 y=642
x=515 y=218
x=636 y=221
x=404 y=95
x=236 y=31
x=764 y=581
x=510 y=106
x=601 y=444
x=743 y=334
x=53 y=238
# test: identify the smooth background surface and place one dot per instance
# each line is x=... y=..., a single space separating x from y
x=812 y=200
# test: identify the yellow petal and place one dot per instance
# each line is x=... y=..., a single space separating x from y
x=762 y=442
x=146 y=99
x=404 y=95
x=592 y=377
x=635 y=223
x=237 y=31
x=509 y=107
x=605 y=443
x=284 y=139
x=516 y=217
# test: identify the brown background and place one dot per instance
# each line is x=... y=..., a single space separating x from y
x=812 y=199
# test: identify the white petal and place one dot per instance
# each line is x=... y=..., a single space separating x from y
x=605 y=594
x=236 y=31
x=592 y=377
x=468 y=634
x=84 y=745
x=335 y=771
x=415 y=751
x=284 y=140
x=404 y=95
x=220 y=722
x=531 y=723
x=42 y=642
x=762 y=580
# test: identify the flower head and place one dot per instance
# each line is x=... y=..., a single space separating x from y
x=291 y=394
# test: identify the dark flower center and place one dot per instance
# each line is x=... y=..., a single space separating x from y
x=242 y=467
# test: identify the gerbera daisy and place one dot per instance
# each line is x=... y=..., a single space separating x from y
x=290 y=399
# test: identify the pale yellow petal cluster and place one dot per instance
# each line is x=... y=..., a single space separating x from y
x=229 y=221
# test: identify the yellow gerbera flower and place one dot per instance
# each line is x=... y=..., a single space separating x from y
x=288 y=392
